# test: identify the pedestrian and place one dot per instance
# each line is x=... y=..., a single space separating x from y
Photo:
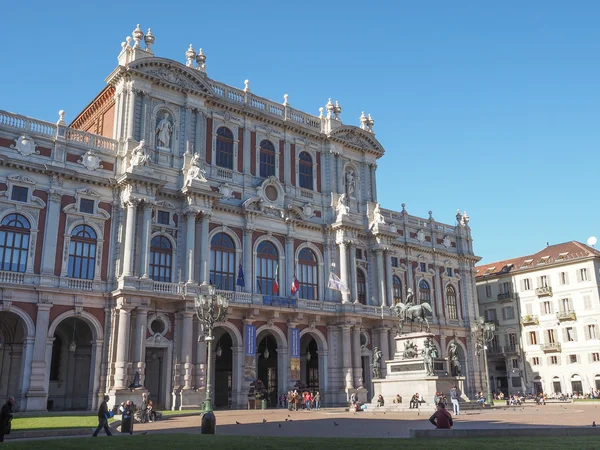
x=6 y=417
x=318 y=400
x=441 y=418
x=103 y=415
x=126 y=418
x=454 y=396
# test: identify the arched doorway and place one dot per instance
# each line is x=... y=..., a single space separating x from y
x=537 y=385
x=223 y=377
x=70 y=366
x=12 y=353
x=576 y=385
x=267 y=367
x=556 y=386
x=309 y=363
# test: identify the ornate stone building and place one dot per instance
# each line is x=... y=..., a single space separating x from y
x=169 y=180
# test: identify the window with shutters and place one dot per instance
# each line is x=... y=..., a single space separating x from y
x=515 y=363
x=565 y=305
x=490 y=315
x=572 y=359
x=550 y=336
x=595 y=357
x=591 y=331
x=543 y=281
x=529 y=308
x=488 y=290
x=563 y=277
x=526 y=284
x=535 y=361
x=547 y=307
x=570 y=334
x=512 y=339
x=505 y=288
x=554 y=360
x=508 y=313
x=587 y=302
x=583 y=275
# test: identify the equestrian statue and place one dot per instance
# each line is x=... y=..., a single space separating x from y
x=408 y=311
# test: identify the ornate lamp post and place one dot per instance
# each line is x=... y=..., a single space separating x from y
x=211 y=308
x=483 y=333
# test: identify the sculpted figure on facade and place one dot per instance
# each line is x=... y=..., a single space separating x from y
x=429 y=353
x=350 y=182
x=455 y=365
x=377 y=216
x=164 y=130
x=377 y=354
x=139 y=157
x=196 y=171
x=341 y=208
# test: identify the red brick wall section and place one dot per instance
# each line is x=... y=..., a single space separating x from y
x=45 y=151
x=281 y=160
x=37 y=262
x=29 y=308
x=98 y=313
x=253 y=152
x=106 y=246
x=318 y=172
x=281 y=239
x=108 y=166
x=293 y=163
x=71 y=157
x=238 y=232
x=283 y=327
x=239 y=325
x=212 y=226
x=208 y=150
x=57 y=310
x=256 y=235
x=318 y=213
x=60 y=241
x=240 y=149
x=3 y=187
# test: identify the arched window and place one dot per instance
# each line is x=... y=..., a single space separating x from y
x=267 y=159
x=308 y=275
x=225 y=148
x=222 y=262
x=424 y=293
x=305 y=170
x=267 y=258
x=14 y=242
x=397 y=288
x=451 y=302
x=361 y=285
x=82 y=253
x=161 y=254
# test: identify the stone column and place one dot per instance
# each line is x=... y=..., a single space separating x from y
x=190 y=243
x=347 y=357
x=380 y=276
x=139 y=342
x=372 y=169
x=204 y=248
x=338 y=174
x=144 y=96
x=186 y=349
x=122 y=358
x=389 y=278
x=344 y=269
x=146 y=234
x=385 y=349
x=50 y=239
x=187 y=131
x=130 y=112
x=356 y=357
x=247 y=250
x=353 y=280
x=128 y=256
x=37 y=394
x=25 y=371
x=289 y=266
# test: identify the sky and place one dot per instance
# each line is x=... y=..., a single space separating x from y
x=490 y=107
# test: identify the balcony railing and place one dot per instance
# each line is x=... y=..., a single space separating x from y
x=530 y=320
x=551 y=347
x=543 y=291
x=12 y=277
x=273 y=300
x=167 y=288
x=81 y=285
x=506 y=297
x=243 y=298
x=566 y=315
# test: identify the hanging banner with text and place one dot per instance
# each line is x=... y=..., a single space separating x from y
x=250 y=339
x=295 y=342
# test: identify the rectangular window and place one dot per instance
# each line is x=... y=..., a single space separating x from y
x=547 y=307
x=550 y=336
x=163 y=217
x=535 y=361
x=423 y=267
x=19 y=194
x=512 y=339
x=86 y=206
x=570 y=334
x=583 y=275
x=595 y=357
x=508 y=313
x=592 y=331
x=565 y=305
x=587 y=302
x=449 y=271
x=573 y=359
x=554 y=360
x=359 y=253
x=515 y=363
x=533 y=340
x=543 y=281
x=505 y=288
x=526 y=284
x=394 y=261
x=529 y=309
x=488 y=290
x=490 y=315
x=563 y=277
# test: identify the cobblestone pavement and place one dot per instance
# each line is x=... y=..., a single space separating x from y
x=338 y=423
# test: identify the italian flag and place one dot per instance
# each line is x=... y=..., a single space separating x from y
x=275 y=282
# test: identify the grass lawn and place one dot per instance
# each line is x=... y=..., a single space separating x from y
x=82 y=421
x=194 y=441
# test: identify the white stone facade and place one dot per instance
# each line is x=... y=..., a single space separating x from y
x=114 y=236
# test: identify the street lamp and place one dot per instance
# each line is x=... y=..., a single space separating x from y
x=483 y=333
x=211 y=308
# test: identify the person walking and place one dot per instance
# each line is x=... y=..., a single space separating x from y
x=441 y=418
x=6 y=417
x=454 y=396
x=318 y=401
x=103 y=415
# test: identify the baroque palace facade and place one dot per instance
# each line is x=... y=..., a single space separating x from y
x=168 y=181
x=547 y=307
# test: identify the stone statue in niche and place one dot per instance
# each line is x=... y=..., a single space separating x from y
x=196 y=171
x=164 y=130
x=455 y=365
x=350 y=182
x=139 y=157
x=341 y=208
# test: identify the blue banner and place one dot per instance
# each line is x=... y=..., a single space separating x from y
x=295 y=342
x=250 y=339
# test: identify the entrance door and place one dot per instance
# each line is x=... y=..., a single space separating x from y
x=537 y=387
x=223 y=371
x=267 y=368
x=155 y=379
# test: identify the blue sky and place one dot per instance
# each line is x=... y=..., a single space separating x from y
x=489 y=108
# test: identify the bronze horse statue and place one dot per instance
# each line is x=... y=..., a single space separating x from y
x=414 y=313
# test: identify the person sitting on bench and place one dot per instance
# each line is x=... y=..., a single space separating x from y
x=414 y=401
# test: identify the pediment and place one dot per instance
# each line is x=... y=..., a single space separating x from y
x=357 y=138
x=172 y=74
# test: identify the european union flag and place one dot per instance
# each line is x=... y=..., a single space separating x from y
x=240 y=278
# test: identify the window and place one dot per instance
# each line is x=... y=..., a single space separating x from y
x=573 y=359
x=451 y=302
x=161 y=254
x=490 y=315
x=19 y=194
x=543 y=281
x=550 y=336
x=544 y=260
x=535 y=361
x=508 y=313
x=556 y=386
x=308 y=275
x=394 y=261
x=225 y=148
x=222 y=262
x=505 y=288
x=570 y=335
x=86 y=206
x=424 y=293
x=533 y=339
x=561 y=257
x=591 y=331
x=267 y=159
x=359 y=253
x=82 y=253
x=565 y=305
x=587 y=302
x=163 y=217
x=14 y=242
x=449 y=271
x=361 y=285
x=595 y=357
x=547 y=307
x=267 y=259
x=554 y=360
x=563 y=278
x=515 y=363
x=305 y=171
x=527 y=263
x=423 y=267
x=583 y=275
x=576 y=385
x=397 y=289
x=526 y=286
x=488 y=290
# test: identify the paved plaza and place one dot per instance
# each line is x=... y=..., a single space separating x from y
x=339 y=423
